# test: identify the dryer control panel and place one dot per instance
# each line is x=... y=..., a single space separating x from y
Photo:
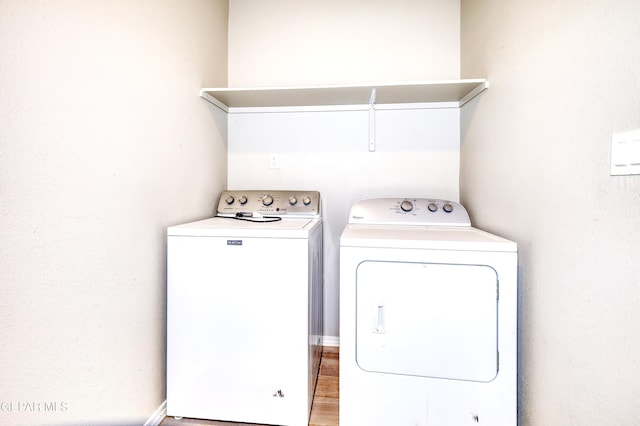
x=409 y=211
x=272 y=203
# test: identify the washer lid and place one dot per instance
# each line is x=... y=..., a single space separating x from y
x=423 y=237
x=224 y=227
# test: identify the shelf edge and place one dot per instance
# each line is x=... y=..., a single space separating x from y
x=481 y=87
x=344 y=86
x=208 y=94
x=212 y=100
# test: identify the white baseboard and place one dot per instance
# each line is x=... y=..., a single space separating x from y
x=158 y=416
x=330 y=341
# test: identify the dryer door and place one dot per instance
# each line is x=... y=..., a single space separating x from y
x=427 y=319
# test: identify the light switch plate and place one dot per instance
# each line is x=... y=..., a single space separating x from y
x=625 y=153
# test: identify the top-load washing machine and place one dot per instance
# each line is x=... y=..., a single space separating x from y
x=244 y=309
x=428 y=317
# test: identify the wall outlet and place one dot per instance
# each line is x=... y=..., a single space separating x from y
x=625 y=153
x=274 y=161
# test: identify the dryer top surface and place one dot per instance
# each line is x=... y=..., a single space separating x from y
x=424 y=237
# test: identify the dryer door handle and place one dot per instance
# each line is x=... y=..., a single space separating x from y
x=378 y=318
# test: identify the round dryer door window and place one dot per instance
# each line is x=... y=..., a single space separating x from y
x=427 y=319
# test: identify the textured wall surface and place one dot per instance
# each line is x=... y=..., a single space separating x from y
x=104 y=143
x=535 y=160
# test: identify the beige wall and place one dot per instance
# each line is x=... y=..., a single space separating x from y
x=289 y=42
x=535 y=161
x=103 y=144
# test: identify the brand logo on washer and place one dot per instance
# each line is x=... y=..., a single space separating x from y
x=234 y=242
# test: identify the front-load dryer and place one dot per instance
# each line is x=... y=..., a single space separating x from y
x=428 y=317
x=244 y=309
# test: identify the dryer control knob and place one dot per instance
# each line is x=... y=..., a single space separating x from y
x=433 y=207
x=293 y=201
x=448 y=208
x=242 y=200
x=229 y=199
x=306 y=201
x=267 y=200
x=406 y=206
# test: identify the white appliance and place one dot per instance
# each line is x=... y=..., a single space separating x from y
x=428 y=317
x=244 y=309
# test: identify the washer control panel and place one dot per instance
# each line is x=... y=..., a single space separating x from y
x=271 y=203
x=409 y=211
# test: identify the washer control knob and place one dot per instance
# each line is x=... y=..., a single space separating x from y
x=448 y=208
x=293 y=200
x=242 y=200
x=267 y=200
x=306 y=200
x=229 y=199
x=406 y=206
x=433 y=207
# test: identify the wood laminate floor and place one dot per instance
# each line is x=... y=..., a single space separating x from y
x=325 y=402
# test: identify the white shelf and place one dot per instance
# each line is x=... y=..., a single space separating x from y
x=393 y=95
